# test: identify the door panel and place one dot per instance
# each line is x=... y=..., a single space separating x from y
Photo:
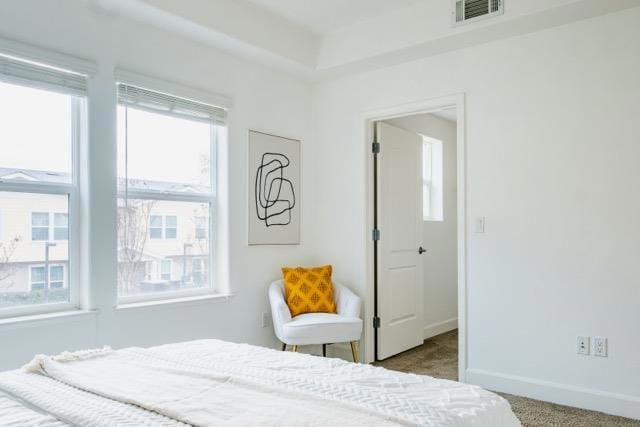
x=401 y=305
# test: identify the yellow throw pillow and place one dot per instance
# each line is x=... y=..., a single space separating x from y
x=309 y=290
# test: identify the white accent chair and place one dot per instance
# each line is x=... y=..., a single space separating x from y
x=317 y=328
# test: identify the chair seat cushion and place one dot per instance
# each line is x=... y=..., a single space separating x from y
x=321 y=328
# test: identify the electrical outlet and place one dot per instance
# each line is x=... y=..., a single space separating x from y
x=266 y=320
x=583 y=346
x=600 y=347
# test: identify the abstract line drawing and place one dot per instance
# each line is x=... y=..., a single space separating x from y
x=275 y=197
x=274 y=201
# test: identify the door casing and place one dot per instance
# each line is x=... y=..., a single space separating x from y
x=368 y=119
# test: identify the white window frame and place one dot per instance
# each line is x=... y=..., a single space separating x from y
x=65 y=283
x=166 y=227
x=51 y=227
x=31 y=267
x=149 y=194
x=64 y=276
x=71 y=191
x=161 y=227
x=48 y=226
x=54 y=226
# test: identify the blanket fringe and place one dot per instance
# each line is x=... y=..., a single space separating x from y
x=36 y=365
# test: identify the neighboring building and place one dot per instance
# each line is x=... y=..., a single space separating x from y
x=162 y=245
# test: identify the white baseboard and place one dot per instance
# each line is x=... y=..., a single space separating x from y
x=563 y=394
x=440 y=327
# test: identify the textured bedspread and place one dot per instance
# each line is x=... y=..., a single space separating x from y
x=340 y=389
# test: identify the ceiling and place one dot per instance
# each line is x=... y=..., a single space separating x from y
x=322 y=16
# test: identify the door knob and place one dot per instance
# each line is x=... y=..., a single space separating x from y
x=421 y=250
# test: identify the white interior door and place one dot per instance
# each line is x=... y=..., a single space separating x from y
x=400 y=274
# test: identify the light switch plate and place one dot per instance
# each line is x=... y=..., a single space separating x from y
x=478 y=225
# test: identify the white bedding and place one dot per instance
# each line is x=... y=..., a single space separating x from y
x=375 y=394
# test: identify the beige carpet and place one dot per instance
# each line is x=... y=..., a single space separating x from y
x=438 y=357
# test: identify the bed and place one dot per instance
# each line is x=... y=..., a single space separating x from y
x=217 y=383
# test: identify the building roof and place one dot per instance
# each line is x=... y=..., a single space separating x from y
x=13 y=174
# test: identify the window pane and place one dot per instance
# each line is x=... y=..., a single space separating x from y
x=136 y=252
x=22 y=282
x=61 y=220
x=432 y=188
x=156 y=221
x=171 y=221
x=170 y=233
x=57 y=273
x=37 y=274
x=40 y=219
x=180 y=150
x=200 y=228
x=35 y=134
x=40 y=233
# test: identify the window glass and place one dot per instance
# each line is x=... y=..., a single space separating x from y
x=201 y=228
x=155 y=227
x=27 y=240
x=39 y=131
x=56 y=277
x=166 y=270
x=137 y=253
x=61 y=230
x=40 y=226
x=160 y=234
x=37 y=278
x=35 y=153
x=171 y=227
x=432 y=179
x=199 y=271
x=181 y=152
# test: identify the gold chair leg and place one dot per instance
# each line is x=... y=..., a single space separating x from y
x=284 y=346
x=354 y=352
x=294 y=348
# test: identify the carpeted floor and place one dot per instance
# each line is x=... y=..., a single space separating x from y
x=438 y=357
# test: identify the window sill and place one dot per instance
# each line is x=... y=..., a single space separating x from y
x=175 y=301
x=53 y=317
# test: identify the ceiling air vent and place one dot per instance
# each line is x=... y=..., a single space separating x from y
x=473 y=10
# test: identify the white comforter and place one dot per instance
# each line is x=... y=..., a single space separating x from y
x=213 y=382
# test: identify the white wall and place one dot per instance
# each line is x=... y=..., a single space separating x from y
x=440 y=262
x=552 y=148
x=263 y=99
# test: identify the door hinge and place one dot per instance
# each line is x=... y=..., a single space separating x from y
x=375 y=147
x=376 y=322
x=375 y=234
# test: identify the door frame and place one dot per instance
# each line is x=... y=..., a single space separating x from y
x=420 y=107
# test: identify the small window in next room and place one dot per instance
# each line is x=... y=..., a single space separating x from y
x=432 y=179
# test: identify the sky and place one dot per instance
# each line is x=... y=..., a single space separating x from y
x=163 y=148
x=35 y=133
x=35 y=129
